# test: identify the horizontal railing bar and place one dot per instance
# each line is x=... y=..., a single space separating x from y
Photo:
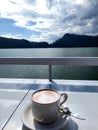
x=81 y=61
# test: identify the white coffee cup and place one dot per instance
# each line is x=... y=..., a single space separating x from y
x=46 y=105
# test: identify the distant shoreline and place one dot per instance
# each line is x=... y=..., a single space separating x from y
x=67 y=41
x=49 y=48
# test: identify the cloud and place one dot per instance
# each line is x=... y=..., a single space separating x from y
x=9 y=35
x=48 y=20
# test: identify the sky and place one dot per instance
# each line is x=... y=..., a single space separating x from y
x=47 y=20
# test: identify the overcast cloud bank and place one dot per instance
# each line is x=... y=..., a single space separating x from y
x=48 y=20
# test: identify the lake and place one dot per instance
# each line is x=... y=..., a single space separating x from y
x=41 y=71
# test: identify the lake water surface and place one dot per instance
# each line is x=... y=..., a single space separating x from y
x=40 y=71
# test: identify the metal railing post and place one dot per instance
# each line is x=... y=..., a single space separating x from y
x=50 y=73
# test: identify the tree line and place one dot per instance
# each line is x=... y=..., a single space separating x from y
x=68 y=40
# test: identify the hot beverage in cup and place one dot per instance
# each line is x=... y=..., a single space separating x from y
x=46 y=105
x=45 y=96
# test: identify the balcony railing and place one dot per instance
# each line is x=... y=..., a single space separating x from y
x=74 y=61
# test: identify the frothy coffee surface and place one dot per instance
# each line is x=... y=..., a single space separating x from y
x=45 y=96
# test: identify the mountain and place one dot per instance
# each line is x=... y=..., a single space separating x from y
x=20 y=43
x=73 y=40
x=68 y=40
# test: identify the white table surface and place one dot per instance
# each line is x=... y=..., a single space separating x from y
x=82 y=102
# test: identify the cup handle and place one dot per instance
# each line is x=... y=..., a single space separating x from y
x=63 y=98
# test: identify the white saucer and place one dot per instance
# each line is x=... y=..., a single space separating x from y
x=28 y=120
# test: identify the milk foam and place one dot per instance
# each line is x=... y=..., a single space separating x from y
x=45 y=96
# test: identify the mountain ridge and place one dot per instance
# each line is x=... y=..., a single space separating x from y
x=68 y=40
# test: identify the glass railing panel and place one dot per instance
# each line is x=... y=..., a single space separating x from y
x=24 y=71
x=75 y=72
x=42 y=72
